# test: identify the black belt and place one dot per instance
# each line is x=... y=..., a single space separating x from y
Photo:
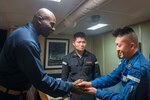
x=10 y=91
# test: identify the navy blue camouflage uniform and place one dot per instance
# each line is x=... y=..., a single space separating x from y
x=133 y=75
x=85 y=68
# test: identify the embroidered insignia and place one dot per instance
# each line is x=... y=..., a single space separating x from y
x=88 y=62
x=129 y=65
x=125 y=78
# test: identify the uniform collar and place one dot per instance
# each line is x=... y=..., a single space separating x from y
x=75 y=54
x=32 y=27
x=34 y=32
x=133 y=59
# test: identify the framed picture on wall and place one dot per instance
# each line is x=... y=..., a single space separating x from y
x=55 y=50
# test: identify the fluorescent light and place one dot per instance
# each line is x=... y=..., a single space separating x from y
x=55 y=0
x=97 y=26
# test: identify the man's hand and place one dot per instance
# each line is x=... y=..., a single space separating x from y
x=90 y=90
x=66 y=98
x=85 y=84
x=77 y=89
x=75 y=83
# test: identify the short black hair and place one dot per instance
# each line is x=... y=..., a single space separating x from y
x=122 y=31
x=79 y=34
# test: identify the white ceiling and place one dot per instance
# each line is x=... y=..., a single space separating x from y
x=71 y=18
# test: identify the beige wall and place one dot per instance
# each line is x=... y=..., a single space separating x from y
x=145 y=38
x=98 y=49
x=105 y=52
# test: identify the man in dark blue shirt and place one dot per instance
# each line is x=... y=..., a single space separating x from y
x=80 y=64
x=20 y=64
x=133 y=71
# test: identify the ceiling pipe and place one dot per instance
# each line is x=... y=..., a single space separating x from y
x=70 y=20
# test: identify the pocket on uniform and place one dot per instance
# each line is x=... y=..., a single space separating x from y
x=88 y=68
x=73 y=66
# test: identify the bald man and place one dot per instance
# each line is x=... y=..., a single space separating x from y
x=20 y=64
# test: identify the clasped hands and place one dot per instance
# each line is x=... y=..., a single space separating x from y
x=81 y=86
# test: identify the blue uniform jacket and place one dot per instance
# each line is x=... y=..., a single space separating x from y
x=134 y=77
x=20 y=64
x=74 y=67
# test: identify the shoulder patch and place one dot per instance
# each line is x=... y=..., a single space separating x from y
x=64 y=63
x=96 y=62
x=120 y=62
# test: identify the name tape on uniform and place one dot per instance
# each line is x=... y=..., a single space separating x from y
x=133 y=78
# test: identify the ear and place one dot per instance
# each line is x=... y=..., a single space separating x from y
x=73 y=43
x=132 y=44
x=39 y=19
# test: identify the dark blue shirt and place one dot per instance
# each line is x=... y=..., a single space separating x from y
x=133 y=75
x=20 y=64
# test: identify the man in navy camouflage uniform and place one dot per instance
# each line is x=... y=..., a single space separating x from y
x=132 y=72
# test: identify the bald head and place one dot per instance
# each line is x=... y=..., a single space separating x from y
x=44 y=22
x=44 y=13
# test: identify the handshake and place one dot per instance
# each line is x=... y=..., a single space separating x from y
x=80 y=86
x=77 y=88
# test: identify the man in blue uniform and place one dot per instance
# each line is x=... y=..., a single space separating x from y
x=80 y=64
x=20 y=64
x=133 y=71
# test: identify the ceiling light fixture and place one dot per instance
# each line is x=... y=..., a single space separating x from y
x=97 y=26
x=55 y=0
